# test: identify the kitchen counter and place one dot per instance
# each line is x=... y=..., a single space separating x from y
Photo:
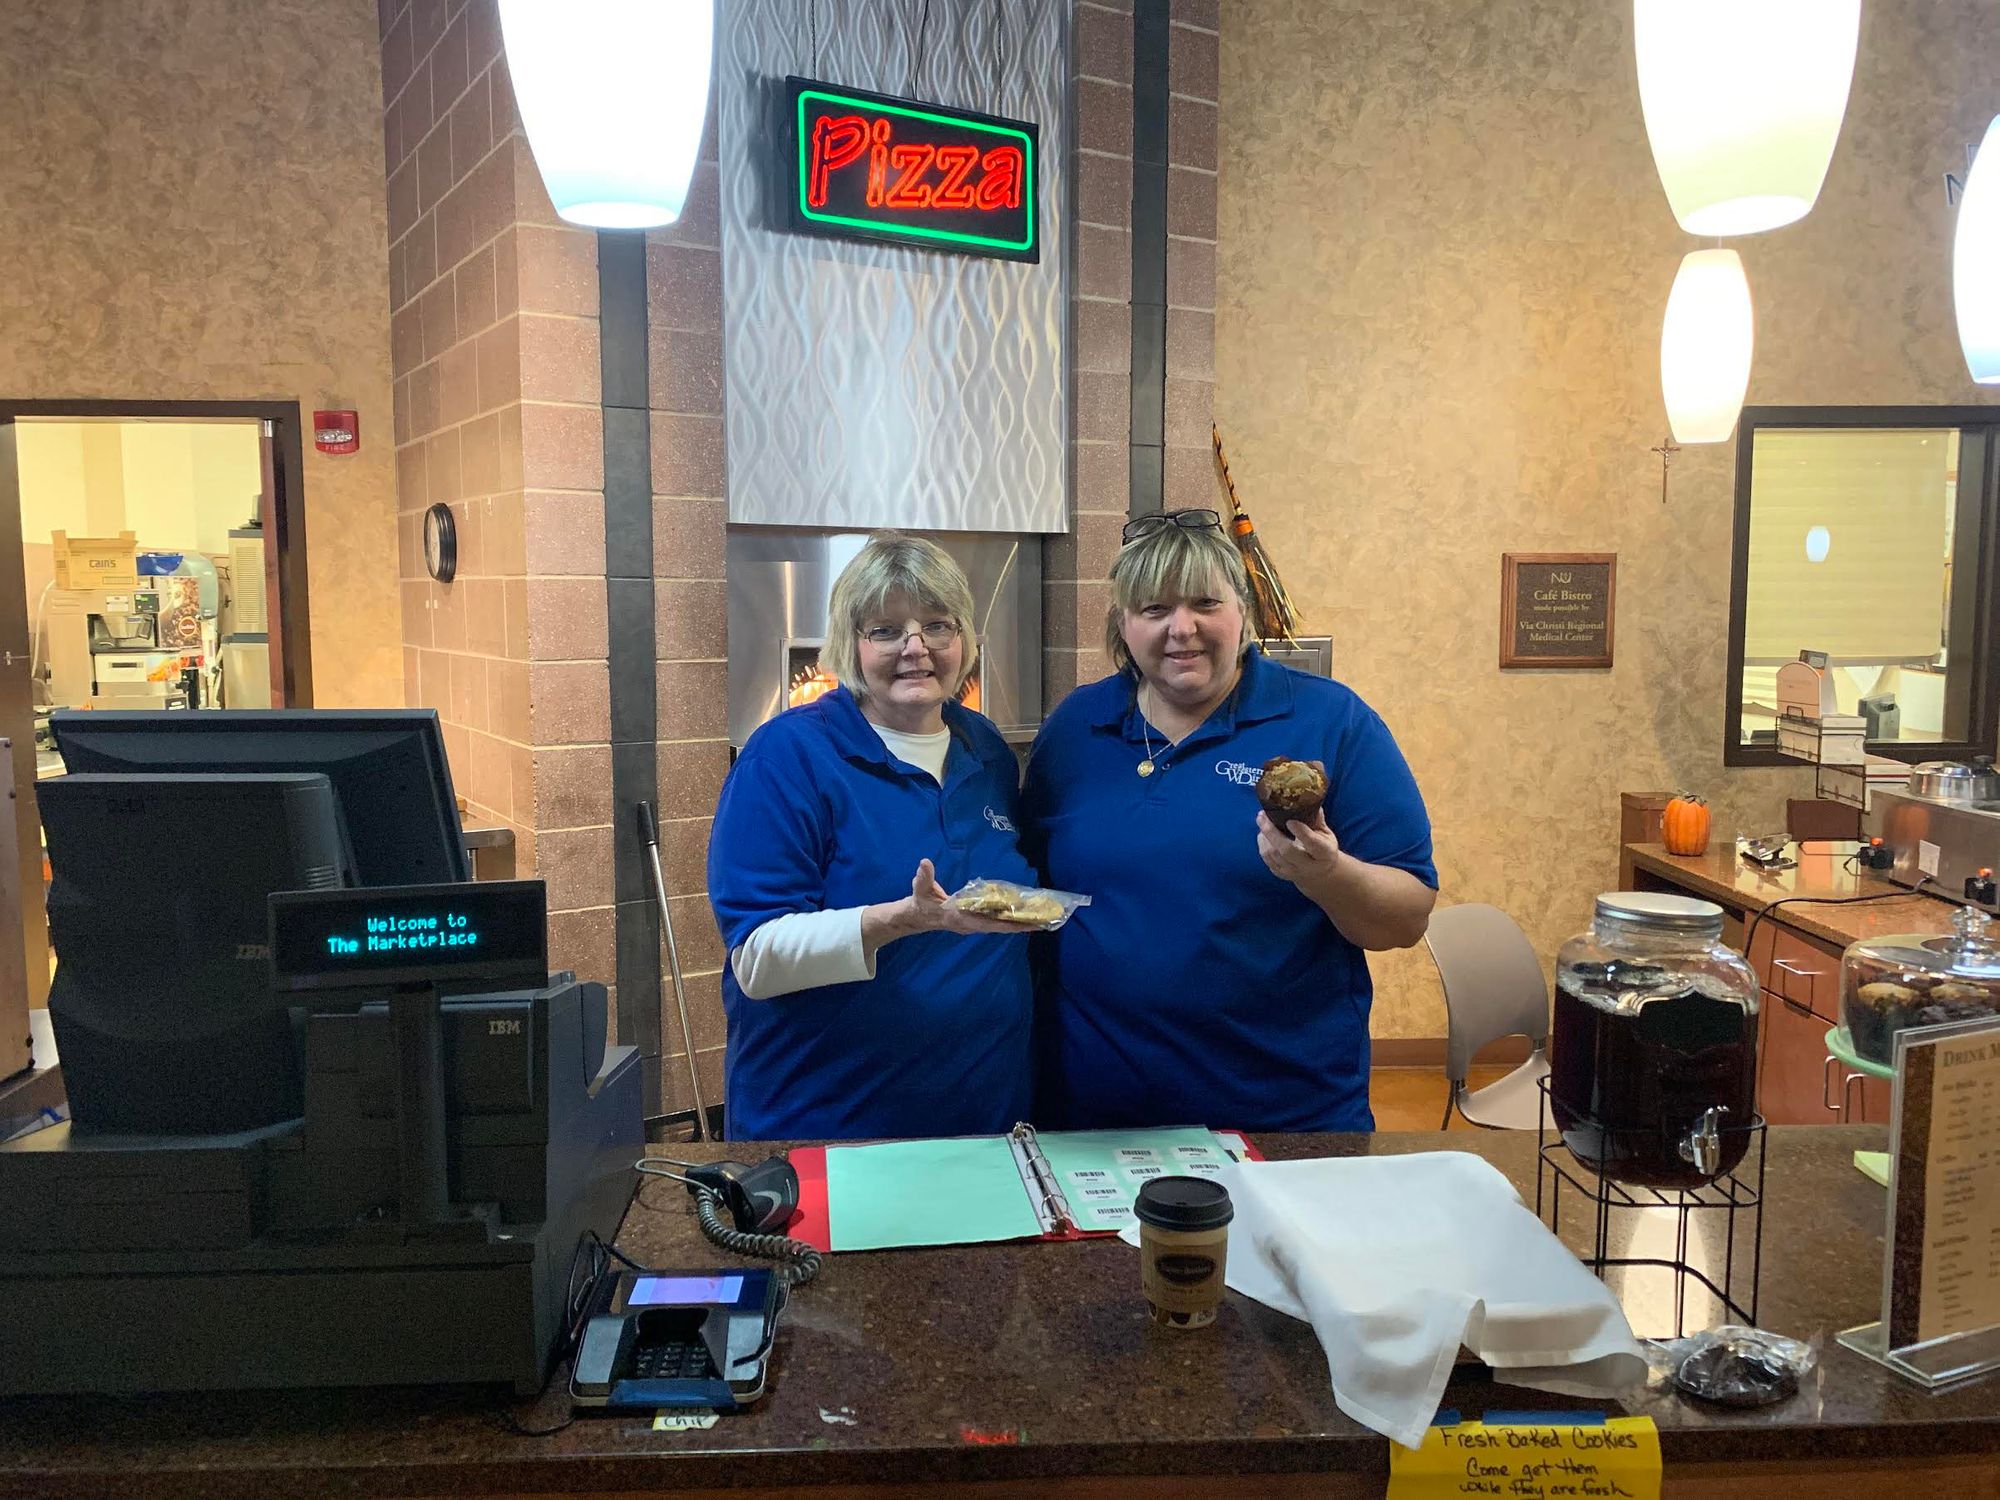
x=1032 y=1369
x=1738 y=886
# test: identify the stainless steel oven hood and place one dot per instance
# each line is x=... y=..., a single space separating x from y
x=779 y=580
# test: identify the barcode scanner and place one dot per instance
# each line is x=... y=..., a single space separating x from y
x=761 y=1199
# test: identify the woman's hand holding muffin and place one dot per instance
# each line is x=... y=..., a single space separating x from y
x=1306 y=853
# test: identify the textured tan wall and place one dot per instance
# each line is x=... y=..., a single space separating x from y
x=1444 y=256
x=191 y=208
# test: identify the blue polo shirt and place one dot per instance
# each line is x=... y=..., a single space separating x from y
x=818 y=815
x=1198 y=987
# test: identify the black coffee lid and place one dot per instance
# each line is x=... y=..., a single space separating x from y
x=1186 y=1203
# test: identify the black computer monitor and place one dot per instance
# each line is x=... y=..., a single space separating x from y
x=387 y=765
x=158 y=912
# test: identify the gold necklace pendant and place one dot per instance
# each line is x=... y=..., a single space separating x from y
x=1145 y=768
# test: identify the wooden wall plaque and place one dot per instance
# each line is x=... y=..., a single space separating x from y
x=1557 y=608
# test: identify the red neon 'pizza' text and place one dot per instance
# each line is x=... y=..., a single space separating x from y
x=908 y=175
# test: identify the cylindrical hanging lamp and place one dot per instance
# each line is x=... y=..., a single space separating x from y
x=1743 y=101
x=612 y=94
x=1705 y=347
x=1975 y=262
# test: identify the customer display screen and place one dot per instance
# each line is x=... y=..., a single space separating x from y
x=478 y=930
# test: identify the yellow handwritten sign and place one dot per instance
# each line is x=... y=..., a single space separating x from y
x=1619 y=1460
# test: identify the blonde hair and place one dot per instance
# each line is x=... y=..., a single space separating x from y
x=890 y=565
x=1173 y=562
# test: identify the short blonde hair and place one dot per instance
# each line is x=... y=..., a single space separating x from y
x=1173 y=562
x=890 y=565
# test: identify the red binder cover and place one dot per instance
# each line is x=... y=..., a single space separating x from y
x=812 y=1221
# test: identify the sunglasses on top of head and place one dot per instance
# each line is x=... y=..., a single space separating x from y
x=1158 y=521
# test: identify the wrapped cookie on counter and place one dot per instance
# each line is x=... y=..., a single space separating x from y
x=1031 y=905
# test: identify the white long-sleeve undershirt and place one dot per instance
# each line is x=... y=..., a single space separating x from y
x=803 y=950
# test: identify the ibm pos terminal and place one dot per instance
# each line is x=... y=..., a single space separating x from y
x=334 y=1122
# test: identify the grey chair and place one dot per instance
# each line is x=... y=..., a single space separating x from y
x=1493 y=988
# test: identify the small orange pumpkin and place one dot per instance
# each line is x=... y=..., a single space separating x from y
x=1684 y=825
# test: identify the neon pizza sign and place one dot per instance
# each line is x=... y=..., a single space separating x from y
x=868 y=166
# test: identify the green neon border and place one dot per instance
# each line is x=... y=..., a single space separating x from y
x=876 y=226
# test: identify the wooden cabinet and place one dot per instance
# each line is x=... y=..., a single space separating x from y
x=1798 y=968
x=1801 y=979
x=1792 y=1085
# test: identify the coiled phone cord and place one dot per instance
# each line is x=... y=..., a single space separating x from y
x=797 y=1261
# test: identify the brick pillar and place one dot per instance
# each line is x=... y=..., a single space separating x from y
x=1102 y=59
x=1073 y=568
x=1193 y=73
x=691 y=613
x=495 y=355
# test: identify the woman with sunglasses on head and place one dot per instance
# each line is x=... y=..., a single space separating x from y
x=860 y=1001
x=1218 y=976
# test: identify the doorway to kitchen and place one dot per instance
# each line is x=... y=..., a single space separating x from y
x=152 y=555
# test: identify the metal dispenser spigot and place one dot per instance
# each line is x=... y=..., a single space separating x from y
x=1702 y=1145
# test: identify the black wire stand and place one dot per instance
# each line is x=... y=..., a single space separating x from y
x=1737 y=1197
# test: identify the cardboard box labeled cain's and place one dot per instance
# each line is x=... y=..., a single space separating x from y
x=96 y=562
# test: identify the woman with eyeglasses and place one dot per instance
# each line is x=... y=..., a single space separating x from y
x=860 y=1002
x=1219 y=974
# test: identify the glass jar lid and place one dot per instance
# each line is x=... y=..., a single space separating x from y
x=1967 y=951
x=1657 y=911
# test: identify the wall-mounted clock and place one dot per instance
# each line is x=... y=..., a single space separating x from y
x=440 y=543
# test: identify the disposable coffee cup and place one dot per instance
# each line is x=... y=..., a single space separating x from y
x=1183 y=1248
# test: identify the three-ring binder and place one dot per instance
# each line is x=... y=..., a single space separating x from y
x=1040 y=1180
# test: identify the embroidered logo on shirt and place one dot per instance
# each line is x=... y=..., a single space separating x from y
x=1235 y=772
x=1000 y=821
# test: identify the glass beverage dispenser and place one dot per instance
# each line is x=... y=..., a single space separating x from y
x=1653 y=1051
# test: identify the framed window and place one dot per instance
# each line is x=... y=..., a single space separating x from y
x=1868 y=533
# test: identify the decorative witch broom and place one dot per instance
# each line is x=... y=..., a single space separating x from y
x=1277 y=619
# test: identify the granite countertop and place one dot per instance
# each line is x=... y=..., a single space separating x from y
x=1021 y=1361
x=1819 y=877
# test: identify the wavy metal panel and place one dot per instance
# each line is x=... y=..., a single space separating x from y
x=871 y=385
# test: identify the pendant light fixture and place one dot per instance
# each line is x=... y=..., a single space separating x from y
x=1743 y=101
x=613 y=94
x=1705 y=347
x=1975 y=262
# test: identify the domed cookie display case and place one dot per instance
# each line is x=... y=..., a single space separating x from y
x=1653 y=1047
x=1918 y=979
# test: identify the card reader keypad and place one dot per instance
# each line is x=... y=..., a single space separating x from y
x=672 y=1361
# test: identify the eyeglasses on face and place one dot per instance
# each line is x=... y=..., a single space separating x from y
x=1187 y=520
x=937 y=635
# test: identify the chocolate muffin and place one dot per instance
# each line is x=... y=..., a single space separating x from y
x=1291 y=789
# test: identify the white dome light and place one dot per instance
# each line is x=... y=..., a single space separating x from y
x=1743 y=101
x=1975 y=262
x=1705 y=347
x=1818 y=541
x=613 y=94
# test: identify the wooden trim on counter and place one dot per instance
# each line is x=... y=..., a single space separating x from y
x=1978 y=1478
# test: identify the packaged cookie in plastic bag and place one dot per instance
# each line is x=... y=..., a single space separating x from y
x=1030 y=905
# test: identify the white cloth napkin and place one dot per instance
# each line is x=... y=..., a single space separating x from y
x=1398 y=1260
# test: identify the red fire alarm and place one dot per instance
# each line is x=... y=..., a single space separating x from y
x=336 y=431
